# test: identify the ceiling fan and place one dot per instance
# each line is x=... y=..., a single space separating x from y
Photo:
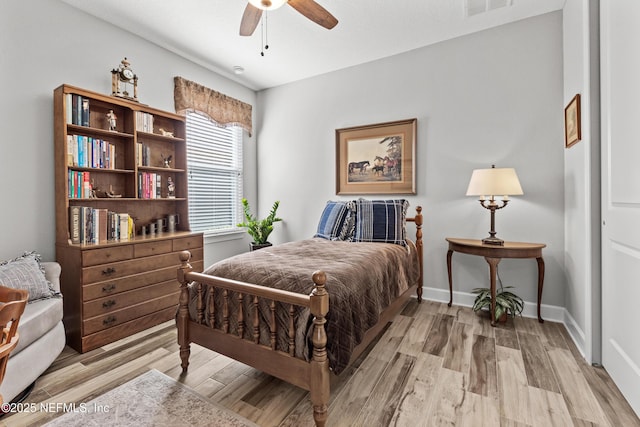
x=309 y=8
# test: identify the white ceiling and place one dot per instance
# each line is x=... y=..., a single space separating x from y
x=206 y=31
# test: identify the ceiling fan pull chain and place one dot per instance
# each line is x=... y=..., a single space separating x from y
x=266 y=28
x=262 y=35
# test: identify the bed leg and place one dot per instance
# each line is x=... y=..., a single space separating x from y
x=419 y=247
x=319 y=381
x=182 y=320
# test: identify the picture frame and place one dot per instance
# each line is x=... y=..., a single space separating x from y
x=572 y=126
x=377 y=158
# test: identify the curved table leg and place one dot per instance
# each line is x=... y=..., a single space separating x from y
x=493 y=268
x=449 y=254
x=540 y=284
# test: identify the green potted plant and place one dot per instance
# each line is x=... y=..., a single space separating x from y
x=507 y=303
x=259 y=230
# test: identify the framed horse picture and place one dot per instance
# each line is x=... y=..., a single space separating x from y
x=376 y=159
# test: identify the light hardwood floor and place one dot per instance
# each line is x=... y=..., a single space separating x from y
x=432 y=366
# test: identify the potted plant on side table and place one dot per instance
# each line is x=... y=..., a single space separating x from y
x=507 y=303
x=259 y=230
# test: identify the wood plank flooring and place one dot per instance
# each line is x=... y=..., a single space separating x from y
x=432 y=366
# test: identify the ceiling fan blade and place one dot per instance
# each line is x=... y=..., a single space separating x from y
x=314 y=12
x=250 y=19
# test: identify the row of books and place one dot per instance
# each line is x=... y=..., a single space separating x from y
x=93 y=225
x=89 y=152
x=149 y=185
x=144 y=122
x=79 y=185
x=143 y=154
x=77 y=110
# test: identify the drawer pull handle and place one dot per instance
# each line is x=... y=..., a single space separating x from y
x=109 y=303
x=108 y=271
x=109 y=320
x=108 y=288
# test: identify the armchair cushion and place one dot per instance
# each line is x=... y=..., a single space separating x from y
x=26 y=272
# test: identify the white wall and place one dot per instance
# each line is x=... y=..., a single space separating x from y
x=582 y=178
x=48 y=43
x=494 y=97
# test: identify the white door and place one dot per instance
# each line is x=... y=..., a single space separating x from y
x=620 y=111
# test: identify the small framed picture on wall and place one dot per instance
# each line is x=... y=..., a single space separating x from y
x=572 y=131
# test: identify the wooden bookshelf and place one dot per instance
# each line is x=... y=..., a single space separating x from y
x=116 y=283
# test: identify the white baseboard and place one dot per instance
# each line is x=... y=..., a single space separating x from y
x=552 y=313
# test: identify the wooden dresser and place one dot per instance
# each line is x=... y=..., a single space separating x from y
x=123 y=289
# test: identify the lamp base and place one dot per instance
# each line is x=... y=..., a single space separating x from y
x=493 y=241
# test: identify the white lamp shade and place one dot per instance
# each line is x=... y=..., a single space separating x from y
x=267 y=4
x=494 y=182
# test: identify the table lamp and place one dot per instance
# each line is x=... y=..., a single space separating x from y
x=489 y=183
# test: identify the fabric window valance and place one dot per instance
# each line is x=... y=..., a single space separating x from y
x=222 y=109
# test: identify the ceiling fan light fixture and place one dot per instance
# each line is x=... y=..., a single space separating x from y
x=268 y=4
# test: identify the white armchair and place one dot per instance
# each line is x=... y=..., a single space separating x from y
x=42 y=339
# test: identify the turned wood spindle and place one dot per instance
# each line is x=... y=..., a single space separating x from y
x=199 y=304
x=292 y=332
x=256 y=321
x=240 y=316
x=272 y=326
x=225 y=311
x=212 y=307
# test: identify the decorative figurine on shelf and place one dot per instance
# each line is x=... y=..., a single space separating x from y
x=165 y=132
x=93 y=192
x=171 y=188
x=111 y=121
x=166 y=161
x=111 y=194
x=125 y=76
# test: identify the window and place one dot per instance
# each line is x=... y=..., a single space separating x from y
x=214 y=159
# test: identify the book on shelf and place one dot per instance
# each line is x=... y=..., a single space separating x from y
x=97 y=225
x=88 y=152
x=143 y=154
x=124 y=226
x=70 y=150
x=144 y=122
x=149 y=185
x=85 y=112
x=77 y=110
x=74 y=224
x=79 y=184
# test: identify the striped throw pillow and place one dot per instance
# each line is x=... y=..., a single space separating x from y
x=381 y=221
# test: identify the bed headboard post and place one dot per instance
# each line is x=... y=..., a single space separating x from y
x=182 y=318
x=319 y=380
x=419 y=248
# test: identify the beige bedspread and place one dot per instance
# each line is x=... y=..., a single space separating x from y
x=362 y=280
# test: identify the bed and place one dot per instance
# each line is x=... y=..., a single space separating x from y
x=302 y=310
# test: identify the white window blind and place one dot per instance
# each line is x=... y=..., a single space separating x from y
x=214 y=159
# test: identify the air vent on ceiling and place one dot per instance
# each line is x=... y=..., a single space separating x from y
x=475 y=7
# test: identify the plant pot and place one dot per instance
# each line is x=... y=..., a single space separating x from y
x=255 y=246
x=503 y=318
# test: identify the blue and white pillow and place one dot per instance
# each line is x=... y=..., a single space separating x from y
x=336 y=221
x=381 y=221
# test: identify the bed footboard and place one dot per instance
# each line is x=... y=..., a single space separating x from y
x=312 y=375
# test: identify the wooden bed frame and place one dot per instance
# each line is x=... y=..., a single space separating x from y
x=314 y=375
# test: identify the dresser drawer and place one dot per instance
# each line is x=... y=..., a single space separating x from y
x=127 y=283
x=187 y=243
x=116 y=270
x=106 y=255
x=152 y=248
x=125 y=299
x=105 y=321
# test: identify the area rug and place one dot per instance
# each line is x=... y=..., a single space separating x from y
x=152 y=399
